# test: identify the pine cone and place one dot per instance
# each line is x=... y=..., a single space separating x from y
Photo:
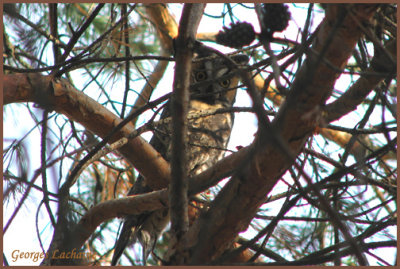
x=238 y=35
x=276 y=18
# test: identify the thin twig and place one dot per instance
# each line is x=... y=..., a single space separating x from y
x=43 y=169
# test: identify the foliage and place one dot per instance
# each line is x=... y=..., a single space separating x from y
x=349 y=162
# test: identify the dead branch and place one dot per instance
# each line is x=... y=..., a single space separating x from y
x=236 y=204
x=60 y=96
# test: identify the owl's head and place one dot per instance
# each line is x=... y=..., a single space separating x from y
x=212 y=80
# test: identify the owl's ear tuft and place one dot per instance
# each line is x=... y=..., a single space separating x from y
x=200 y=50
x=240 y=58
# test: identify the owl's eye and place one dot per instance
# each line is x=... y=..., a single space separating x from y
x=200 y=76
x=225 y=83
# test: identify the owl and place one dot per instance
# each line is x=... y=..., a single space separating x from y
x=213 y=86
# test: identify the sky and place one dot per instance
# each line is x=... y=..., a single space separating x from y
x=23 y=230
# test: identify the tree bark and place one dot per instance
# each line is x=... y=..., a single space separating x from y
x=234 y=207
x=60 y=96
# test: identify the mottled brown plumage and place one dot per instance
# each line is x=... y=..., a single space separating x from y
x=208 y=137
